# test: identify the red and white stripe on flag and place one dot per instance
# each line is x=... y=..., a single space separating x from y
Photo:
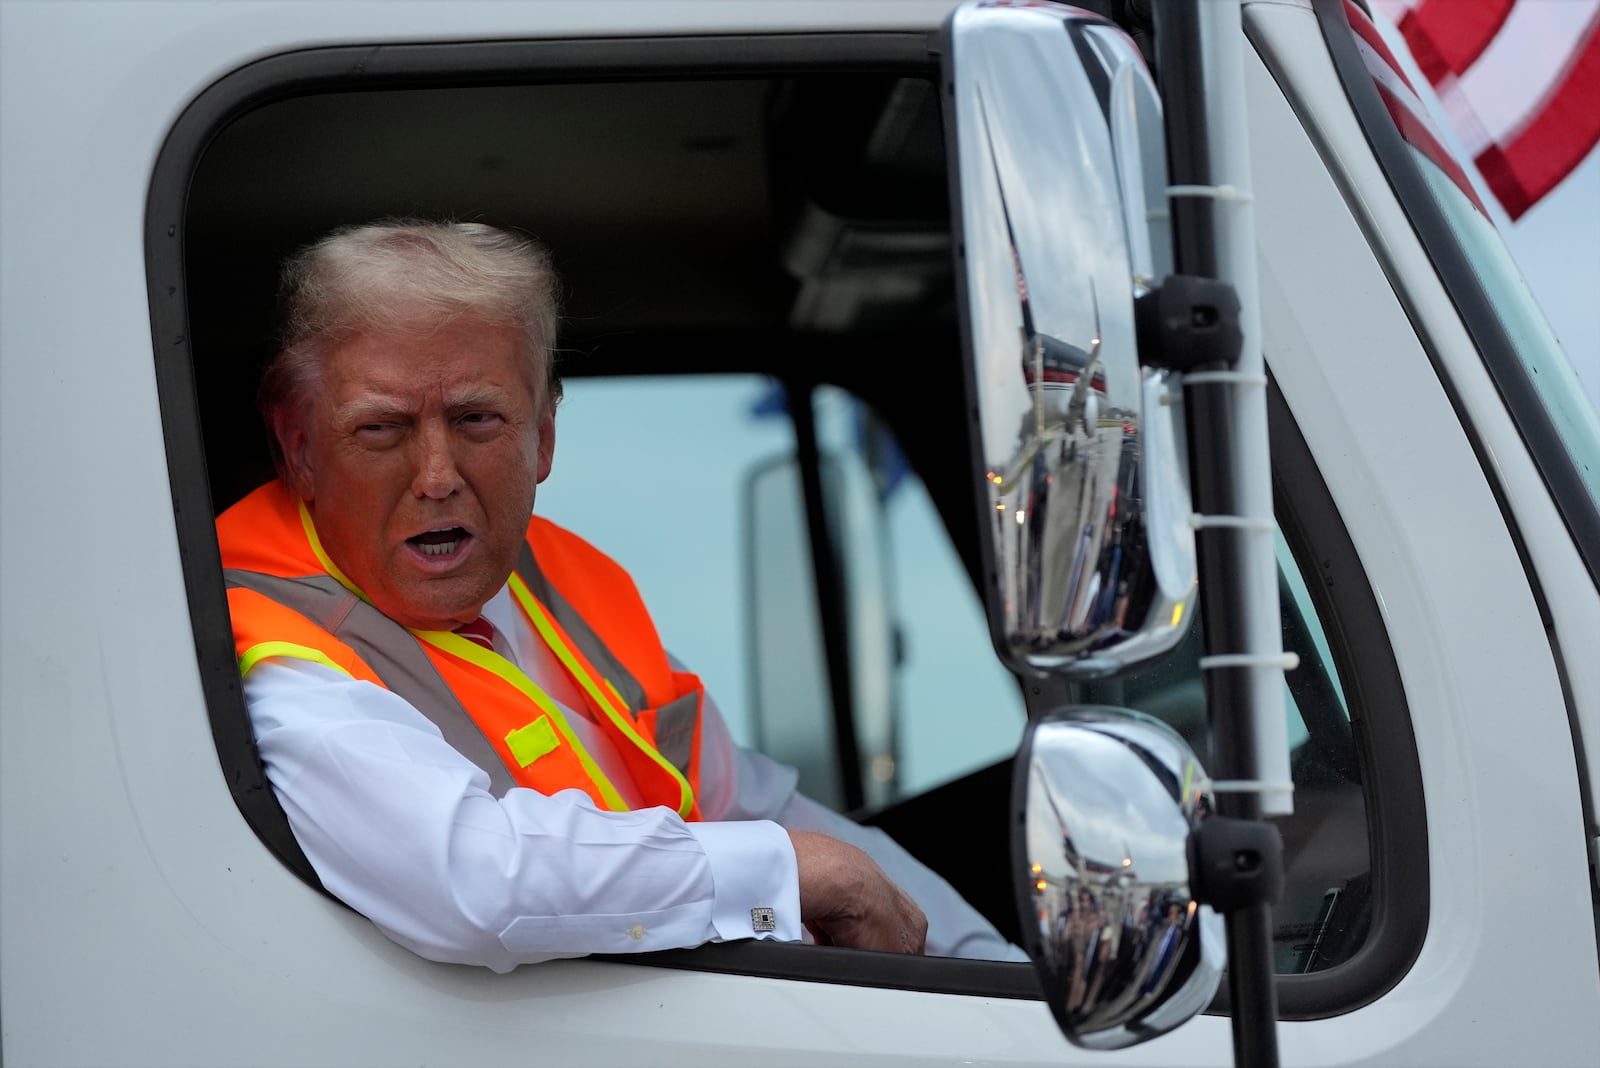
x=1519 y=81
x=1399 y=96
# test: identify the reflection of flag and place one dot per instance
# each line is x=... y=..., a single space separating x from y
x=1399 y=96
x=1519 y=81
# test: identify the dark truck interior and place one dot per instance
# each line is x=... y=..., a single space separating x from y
x=775 y=206
x=698 y=226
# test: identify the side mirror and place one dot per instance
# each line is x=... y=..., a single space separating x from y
x=1106 y=803
x=1060 y=179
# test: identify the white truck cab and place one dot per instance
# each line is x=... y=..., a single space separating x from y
x=780 y=408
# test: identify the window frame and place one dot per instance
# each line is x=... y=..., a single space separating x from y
x=358 y=67
x=439 y=65
x=1388 y=749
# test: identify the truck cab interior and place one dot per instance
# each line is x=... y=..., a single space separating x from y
x=770 y=211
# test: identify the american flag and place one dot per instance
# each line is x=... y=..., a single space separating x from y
x=1518 y=80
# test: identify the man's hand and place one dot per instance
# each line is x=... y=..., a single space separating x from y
x=846 y=900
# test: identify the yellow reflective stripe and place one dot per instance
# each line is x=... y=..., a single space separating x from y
x=532 y=741
x=322 y=557
x=547 y=631
x=257 y=653
x=474 y=653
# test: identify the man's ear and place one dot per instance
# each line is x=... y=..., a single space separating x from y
x=547 y=445
x=295 y=444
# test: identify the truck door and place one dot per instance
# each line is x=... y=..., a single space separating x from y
x=736 y=196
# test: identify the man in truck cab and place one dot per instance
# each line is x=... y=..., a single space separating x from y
x=465 y=710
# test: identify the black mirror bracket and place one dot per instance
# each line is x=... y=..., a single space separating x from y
x=1235 y=863
x=1187 y=322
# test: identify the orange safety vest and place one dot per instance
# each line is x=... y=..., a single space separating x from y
x=287 y=599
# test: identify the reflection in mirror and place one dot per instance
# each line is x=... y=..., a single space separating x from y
x=1060 y=163
x=1123 y=950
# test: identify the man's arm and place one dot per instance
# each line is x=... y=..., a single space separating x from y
x=955 y=928
x=401 y=827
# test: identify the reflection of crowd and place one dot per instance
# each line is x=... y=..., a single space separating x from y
x=1083 y=927
x=1094 y=947
x=1112 y=951
x=1166 y=921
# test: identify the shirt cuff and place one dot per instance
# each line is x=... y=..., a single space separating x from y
x=755 y=882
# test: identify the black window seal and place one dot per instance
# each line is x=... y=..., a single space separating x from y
x=1578 y=510
x=852 y=967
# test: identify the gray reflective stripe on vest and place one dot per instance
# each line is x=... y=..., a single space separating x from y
x=582 y=635
x=391 y=651
x=675 y=722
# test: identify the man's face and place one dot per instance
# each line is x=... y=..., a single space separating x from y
x=418 y=459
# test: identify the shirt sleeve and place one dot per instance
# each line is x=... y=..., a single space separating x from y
x=741 y=784
x=401 y=827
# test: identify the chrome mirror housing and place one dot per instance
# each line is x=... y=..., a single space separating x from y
x=1061 y=180
x=1107 y=799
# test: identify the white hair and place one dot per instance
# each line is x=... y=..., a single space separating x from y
x=391 y=274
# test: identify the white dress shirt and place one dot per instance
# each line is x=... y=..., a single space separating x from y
x=402 y=827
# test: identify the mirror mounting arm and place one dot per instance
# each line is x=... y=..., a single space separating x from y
x=1200 y=50
x=1188 y=322
x=1234 y=863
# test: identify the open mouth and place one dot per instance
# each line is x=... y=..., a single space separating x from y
x=441 y=542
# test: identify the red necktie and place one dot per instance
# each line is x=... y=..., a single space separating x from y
x=480 y=630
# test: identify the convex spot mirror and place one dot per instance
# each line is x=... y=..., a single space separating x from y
x=1060 y=186
x=1106 y=800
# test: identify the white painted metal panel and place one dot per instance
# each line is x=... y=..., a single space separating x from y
x=1508 y=973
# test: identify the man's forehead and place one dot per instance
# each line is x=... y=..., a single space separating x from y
x=455 y=366
x=368 y=394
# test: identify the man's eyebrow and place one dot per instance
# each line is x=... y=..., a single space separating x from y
x=370 y=407
x=476 y=396
x=375 y=407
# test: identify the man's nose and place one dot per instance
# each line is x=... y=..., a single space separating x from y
x=436 y=475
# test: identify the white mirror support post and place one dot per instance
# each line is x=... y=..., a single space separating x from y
x=1200 y=64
